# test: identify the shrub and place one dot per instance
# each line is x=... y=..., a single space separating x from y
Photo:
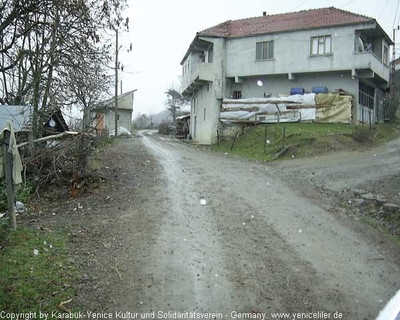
x=164 y=127
x=22 y=194
x=362 y=134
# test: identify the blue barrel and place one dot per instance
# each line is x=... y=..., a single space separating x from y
x=319 y=89
x=296 y=91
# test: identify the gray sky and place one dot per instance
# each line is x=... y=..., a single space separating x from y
x=161 y=32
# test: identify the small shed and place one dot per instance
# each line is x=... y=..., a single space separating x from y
x=103 y=115
x=21 y=118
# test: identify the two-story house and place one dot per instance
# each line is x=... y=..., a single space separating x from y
x=325 y=47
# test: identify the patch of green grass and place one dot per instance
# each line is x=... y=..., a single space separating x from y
x=385 y=233
x=23 y=194
x=30 y=282
x=301 y=140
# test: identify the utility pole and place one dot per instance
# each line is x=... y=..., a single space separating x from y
x=116 y=83
x=393 y=69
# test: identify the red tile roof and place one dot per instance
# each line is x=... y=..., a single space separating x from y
x=308 y=19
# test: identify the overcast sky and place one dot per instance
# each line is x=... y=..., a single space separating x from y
x=161 y=32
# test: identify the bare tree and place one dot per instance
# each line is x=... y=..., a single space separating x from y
x=48 y=44
x=174 y=101
x=143 y=121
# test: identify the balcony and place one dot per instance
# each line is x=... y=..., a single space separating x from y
x=200 y=73
x=367 y=62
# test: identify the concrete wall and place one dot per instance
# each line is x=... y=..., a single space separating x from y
x=280 y=84
x=204 y=115
x=125 y=119
x=209 y=88
x=126 y=102
x=292 y=54
x=214 y=71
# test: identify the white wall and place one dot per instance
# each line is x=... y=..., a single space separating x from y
x=125 y=119
x=205 y=116
x=280 y=84
x=126 y=102
x=214 y=71
x=292 y=54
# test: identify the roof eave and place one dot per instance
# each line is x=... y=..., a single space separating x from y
x=198 y=35
x=388 y=39
x=188 y=50
x=308 y=28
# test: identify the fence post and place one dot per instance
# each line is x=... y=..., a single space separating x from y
x=283 y=136
x=370 y=120
x=234 y=139
x=8 y=164
x=265 y=139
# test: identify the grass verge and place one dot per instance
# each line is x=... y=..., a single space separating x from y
x=304 y=140
x=33 y=280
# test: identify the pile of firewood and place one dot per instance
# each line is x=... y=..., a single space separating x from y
x=57 y=161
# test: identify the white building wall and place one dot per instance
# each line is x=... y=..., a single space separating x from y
x=125 y=119
x=126 y=102
x=292 y=54
x=280 y=85
x=204 y=115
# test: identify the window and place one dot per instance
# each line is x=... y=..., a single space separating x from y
x=264 y=50
x=194 y=103
x=321 y=45
x=366 y=95
x=210 y=55
x=204 y=114
x=237 y=94
x=385 y=55
x=208 y=87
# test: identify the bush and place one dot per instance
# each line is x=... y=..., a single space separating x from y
x=22 y=194
x=391 y=106
x=4 y=233
x=165 y=127
x=362 y=134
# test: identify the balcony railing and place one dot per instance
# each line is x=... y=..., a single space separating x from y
x=201 y=71
x=369 y=60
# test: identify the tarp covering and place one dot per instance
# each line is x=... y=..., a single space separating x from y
x=316 y=107
x=335 y=108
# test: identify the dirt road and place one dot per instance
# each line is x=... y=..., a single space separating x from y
x=217 y=234
x=346 y=169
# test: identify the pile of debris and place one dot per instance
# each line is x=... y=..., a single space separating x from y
x=377 y=207
x=57 y=160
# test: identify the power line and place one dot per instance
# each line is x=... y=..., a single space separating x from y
x=383 y=9
x=347 y=3
x=299 y=5
x=397 y=8
x=398 y=20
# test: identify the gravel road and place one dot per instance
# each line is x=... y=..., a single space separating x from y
x=218 y=234
x=346 y=169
